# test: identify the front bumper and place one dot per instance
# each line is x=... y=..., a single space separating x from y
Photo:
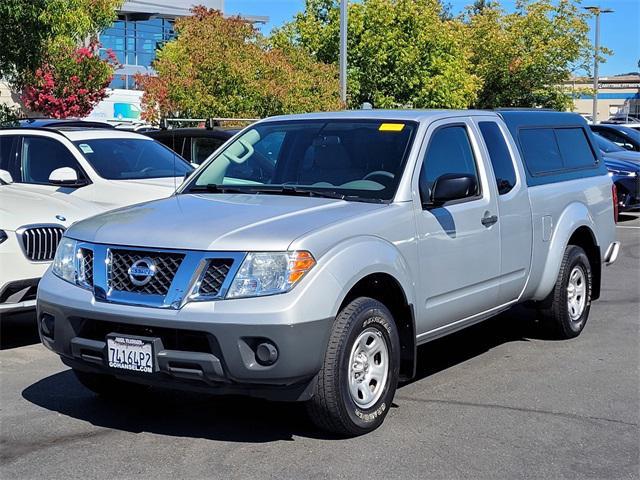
x=19 y=276
x=207 y=346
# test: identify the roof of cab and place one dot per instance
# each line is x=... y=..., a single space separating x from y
x=407 y=115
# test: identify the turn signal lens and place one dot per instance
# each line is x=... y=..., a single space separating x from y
x=299 y=264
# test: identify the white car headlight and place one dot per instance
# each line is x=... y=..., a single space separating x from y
x=269 y=273
x=64 y=263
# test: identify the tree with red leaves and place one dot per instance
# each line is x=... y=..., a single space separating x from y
x=70 y=82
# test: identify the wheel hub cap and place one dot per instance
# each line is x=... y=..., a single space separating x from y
x=368 y=368
x=576 y=293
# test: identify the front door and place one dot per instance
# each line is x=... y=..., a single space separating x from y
x=458 y=242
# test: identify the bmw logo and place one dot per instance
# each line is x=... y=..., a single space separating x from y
x=61 y=218
x=142 y=271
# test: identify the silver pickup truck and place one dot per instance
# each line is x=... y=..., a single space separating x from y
x=311 y=254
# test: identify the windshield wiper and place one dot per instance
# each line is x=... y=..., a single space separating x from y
x=311 y=192
x=280 y=190
x=215 y=188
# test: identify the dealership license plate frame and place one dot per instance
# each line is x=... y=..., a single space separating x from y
x=132 y=343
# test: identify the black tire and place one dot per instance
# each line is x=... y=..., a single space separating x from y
x=556 y=315
x=332 y=407
x=107 y=385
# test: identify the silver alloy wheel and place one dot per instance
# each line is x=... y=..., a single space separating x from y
x=576 y=293
x=368 y=367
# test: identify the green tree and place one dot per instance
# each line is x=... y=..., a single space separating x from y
x=401 y=52
x=526 y=57
x=222 y=67
x=34 y=31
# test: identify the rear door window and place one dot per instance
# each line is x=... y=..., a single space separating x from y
x=9 y=155
x=499 y=155
x=203 y=147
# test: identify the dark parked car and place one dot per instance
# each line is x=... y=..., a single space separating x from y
x=624 y=170
x=622 y=136
x=193 y=144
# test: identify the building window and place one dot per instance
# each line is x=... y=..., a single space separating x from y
x=134 y=43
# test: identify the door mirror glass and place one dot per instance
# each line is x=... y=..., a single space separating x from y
x=63 y=176
x=5 y=177
x=453 y=186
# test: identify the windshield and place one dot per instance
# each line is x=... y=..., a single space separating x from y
x=607 y=146
x=629 y=132
x=349 y=159
x=132 y=158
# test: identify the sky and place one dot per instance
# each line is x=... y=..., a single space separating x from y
x=619 y=31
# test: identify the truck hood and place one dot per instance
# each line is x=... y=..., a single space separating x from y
x=221 y=222
x=22 y=205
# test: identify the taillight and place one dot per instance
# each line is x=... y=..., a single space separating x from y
x=614 y=196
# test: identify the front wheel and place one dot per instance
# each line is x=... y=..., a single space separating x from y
x=566 y=309
x=357 y=382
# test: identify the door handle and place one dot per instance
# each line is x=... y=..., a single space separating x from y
x=489 y=220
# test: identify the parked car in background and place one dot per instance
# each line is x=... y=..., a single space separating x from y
x=103 y=165
x=624 y=170
x=61 y=122
x=623 y=119
x=193 y=144
x=625 y=137
x=373 y=232
x=32 y=223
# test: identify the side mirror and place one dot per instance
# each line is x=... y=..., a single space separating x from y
x=5 y=177
x=453 y=186
x=63 y=176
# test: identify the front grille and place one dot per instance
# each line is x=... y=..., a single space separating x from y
x=85 y=267
x=40 y=243
x=166 y=265
x=214 y=276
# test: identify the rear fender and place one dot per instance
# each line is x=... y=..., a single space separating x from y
x=574 y=216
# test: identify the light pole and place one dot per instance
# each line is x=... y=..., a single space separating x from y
x=343 y=50
x=596 y=11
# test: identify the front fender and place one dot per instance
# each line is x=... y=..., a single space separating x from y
x=574 y=216
x=352 y=260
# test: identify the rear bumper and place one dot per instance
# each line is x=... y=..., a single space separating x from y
x=213 y=353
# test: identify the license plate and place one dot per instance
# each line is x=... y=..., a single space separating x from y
x=130 y=354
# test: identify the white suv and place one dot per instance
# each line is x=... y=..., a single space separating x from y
x=31 y=225
x=110 y=167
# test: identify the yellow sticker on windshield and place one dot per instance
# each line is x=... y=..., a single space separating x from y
x=391 y=127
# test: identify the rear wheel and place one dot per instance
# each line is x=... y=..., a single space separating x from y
x=566 y=309
x=358 y=379
x=107 y=385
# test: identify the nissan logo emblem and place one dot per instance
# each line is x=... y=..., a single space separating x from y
x=142 y=271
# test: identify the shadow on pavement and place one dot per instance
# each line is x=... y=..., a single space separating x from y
x=18 y=330
x=243 y=419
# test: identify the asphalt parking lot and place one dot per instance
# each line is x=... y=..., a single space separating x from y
x=495 y=401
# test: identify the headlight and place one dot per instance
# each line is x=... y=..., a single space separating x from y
x=269 y=273
x=64 y=263
x=3 y=236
